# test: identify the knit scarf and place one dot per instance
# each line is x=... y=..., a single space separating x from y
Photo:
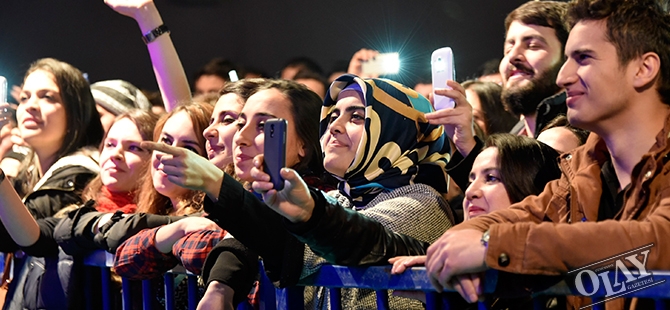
x=112 y=202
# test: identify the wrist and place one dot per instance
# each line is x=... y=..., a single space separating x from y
x=148 y=18
x=466 y=145
x=213 y=186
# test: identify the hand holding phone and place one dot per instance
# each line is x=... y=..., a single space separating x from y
x=274 y=150
x=442 y=68
x=387 y=63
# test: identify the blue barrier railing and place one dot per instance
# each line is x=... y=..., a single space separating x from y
x=379 y=279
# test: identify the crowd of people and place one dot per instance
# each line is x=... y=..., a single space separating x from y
x=555 y=161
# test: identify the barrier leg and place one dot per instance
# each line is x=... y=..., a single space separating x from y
x=146 y=295
x=382 y=299
x=125 y=297
x=168 y=283
x=192 y=292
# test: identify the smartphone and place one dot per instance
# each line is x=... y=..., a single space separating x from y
x=274 y=150
x=442 y=68
x=386 y=63
x=3 y=90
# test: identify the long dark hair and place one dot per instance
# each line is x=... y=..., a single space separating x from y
x=82 y=118
x=83 y=127
x=525 y=164
x=306 y=109
x=496 y=118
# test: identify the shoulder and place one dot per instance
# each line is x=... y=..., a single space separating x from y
x=413 y=193
x=71 y=171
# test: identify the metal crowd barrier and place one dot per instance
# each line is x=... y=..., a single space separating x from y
x=377 y=278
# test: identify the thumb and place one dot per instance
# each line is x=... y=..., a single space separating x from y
x=289 y=175
x=161 y=147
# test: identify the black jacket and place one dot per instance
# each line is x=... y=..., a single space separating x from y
x=62 y=189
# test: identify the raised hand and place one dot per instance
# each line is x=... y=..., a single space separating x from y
x=458 y=122
x=356 y=62
x=187 y=169
x=132 y=8
x=294 y=202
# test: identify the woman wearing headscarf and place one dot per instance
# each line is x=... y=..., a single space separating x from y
x=390 y=165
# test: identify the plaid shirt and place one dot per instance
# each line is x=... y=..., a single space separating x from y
x=138 y=258
x=193 y=248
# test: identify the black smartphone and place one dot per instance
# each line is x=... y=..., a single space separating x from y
x=274 y=150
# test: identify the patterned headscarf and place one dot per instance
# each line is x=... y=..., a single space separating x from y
x=399 y=147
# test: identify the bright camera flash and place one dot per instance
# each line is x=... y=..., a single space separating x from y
x=392 y=63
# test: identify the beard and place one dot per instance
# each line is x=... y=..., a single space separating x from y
x=523 y=100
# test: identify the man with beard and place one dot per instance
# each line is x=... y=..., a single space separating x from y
x=533 y=55
x=536 y=35
x=613 y=196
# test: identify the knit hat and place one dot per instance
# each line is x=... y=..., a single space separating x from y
x=119 y=96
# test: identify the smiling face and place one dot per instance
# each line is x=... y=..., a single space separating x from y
x=486 y=192
x=178 y=131
x=341 y=140
x=249 y=139
x=41 y=114
x=121 y=158
x=532 y=57
x=598 y=87
x=222 y=128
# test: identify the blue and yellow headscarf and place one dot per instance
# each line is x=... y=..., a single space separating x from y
x=399 y=147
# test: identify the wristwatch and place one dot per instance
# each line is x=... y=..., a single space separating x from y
x=485 y=239
x=155 y=33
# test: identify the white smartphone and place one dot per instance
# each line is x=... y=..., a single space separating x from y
x=386 y=63
x=442 y=68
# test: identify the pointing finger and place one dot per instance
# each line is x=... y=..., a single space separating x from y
x=161 y=147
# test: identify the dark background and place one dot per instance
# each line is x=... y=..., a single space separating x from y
x=260 y=34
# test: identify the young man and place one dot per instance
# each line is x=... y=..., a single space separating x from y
x=614 y=195
x=533 y=54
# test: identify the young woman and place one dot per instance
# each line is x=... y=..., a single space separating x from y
x=509 y=169
x=175 y=242
x=114 y=189
x=284 y=99
x=159 y=200
x=389 y=195
x=57 y=118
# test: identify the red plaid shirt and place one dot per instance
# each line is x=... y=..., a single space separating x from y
x=138 y=258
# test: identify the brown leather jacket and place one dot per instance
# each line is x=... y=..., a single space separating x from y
x=557 y=231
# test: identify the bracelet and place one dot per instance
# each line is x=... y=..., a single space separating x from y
x=155 y=33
